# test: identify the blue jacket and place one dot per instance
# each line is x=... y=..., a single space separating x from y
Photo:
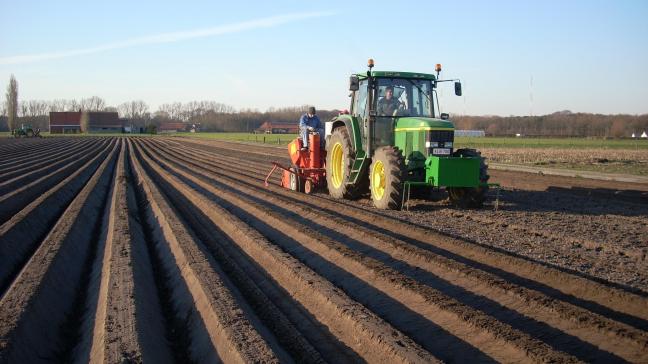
x=313 y=122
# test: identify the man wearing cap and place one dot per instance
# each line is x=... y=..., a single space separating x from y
x=310 y=122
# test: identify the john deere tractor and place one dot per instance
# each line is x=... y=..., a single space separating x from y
x=394 y=139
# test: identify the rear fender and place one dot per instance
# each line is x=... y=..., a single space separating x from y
x=352 y=127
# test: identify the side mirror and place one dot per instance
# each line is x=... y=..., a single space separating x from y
x=446 y=116
x=354 y=83
x=458 y=88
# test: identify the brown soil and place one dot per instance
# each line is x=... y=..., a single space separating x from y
x=172 y=250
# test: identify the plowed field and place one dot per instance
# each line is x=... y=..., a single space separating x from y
x=169 y=250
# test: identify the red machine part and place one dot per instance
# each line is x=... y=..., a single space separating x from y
x=308 y=173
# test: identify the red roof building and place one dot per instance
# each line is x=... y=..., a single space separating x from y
x=98 y=121
x=65 y=122
x=279 y=128
x=170 y=127
x=104 y=122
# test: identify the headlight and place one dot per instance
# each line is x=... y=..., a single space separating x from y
x=448 y=144
x=431 y=144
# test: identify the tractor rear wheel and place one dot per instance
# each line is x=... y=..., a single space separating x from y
x=470 y=197
x=386 y=178
x=339 y=161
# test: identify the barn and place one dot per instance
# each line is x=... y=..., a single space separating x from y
x=279 y=128
x=68 y=122
x=104 y=122
x=172 y=127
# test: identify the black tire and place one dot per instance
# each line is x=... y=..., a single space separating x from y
x=340 y=136
x=391 y=160
x=470 y=197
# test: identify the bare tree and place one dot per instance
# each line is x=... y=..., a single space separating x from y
x=12 y=103
x=36 y=108
x=173 y=110
x=59 y=105
x=136 y=111
x=73 y=105
x=94 y=103
x=23 y=108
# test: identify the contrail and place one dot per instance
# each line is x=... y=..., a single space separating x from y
x=168 y=37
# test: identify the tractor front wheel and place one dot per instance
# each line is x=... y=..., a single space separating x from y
x=470 y=197
x=386 y=178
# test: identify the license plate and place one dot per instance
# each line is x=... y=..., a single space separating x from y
x=441 y=151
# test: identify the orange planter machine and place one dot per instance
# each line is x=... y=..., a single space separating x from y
x=307 y=172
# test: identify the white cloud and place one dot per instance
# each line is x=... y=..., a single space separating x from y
x=167 y=37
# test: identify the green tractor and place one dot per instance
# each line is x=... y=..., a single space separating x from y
x=26 y=131
x=394 y=139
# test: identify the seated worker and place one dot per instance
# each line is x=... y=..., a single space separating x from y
x=310 y=122
x=388 y=104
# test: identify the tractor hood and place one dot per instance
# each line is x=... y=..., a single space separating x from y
x=410 y=123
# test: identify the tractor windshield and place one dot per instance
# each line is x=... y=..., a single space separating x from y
x=399 y=97
x=404 y=97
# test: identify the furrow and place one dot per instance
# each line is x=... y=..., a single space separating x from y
x=47 y=158
x=577 y=324
x=34 y=311
x=232 y=338
x=125 y=322
x=17 y=198
x=20 y=235
x=593 y=295
x=450 y=314
x=357 y=327
x=22 y=153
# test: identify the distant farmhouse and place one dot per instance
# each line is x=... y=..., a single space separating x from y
x=104 y=122
x=98 y=122
x=68 y=122
x=172 y=127
x=278 y=128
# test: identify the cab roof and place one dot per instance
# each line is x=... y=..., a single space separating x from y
x=398 y=74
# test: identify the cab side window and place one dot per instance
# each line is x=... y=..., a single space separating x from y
x=360 y=108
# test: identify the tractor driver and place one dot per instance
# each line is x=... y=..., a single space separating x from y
x=388 y=105
x=310 y=122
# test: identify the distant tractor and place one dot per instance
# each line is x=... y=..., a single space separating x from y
x=26 y=131
x=394 y=139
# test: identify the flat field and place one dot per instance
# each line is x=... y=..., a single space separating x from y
x=624 y=156
x=173 y=250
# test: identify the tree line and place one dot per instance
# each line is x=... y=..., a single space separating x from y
x=218 y=117
x=559 y=124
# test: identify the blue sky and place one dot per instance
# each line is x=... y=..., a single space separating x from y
x=583 y=56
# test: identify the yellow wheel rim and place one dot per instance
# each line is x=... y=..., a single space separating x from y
x=337 y=165
x=378 y=180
